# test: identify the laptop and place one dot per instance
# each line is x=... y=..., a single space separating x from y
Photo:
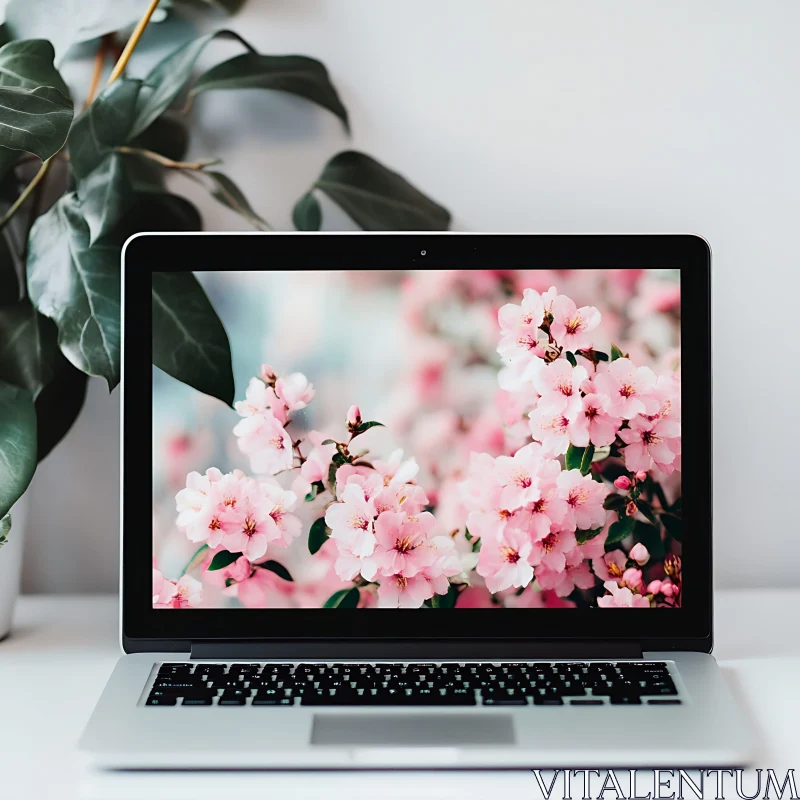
x=416 y=500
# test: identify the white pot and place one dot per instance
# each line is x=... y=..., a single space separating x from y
x=11 y=564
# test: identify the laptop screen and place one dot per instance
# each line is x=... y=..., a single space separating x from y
x=427 y=439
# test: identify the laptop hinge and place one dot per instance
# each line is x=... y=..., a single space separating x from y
x=417 y=650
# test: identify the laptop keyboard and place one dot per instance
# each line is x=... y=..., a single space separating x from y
x=448 y=684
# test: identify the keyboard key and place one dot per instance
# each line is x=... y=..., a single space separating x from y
x=586 y=703
x=197 y=700
x=546 y=700
x=161 y=701
x=663 y=702
x=505 y=701
x=272 y=701
x=231 y=701
x=625 y=700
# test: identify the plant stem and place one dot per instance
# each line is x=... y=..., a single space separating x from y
x=167 y=162
x=132 y=42
x=99 y=62
x=39 y=176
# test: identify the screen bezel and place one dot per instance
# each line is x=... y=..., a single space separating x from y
x=145 y=628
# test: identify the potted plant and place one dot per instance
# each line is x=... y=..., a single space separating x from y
x=75 y=186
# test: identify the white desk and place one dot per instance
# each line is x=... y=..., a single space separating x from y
x=63 y=648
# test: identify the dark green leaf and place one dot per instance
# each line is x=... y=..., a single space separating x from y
x=339 y=459
x=159 y=212
x=344 y=598
x=378 y=199
x=574 y=457
x=298 y=75
x=616 y=353
x=9 y=280
x=78 y=287
x=34 y=120
x=572 y=360
x=58 y=405
x=230 y=195
x=620 y=529
x=332 y=476
x=674 y=526
x=586 y=460
x=167 y=135
x=166 y=80
x=365 y=426
x=330 y=441
x=318 y=535
x=316 y=488
x=29 y=64
x=222 y=559
x=447 y=600
x=189 y=341
x=28 y=347
x=106 y=195
x=615 y=502
x=195 y=559
x=307 y=215
x=67 y=23
x=600 y=356
x=17 y=444
x=584 y=536
x=647 y=510
x=5 y=529
x=650 y=537
x=278 y=569
x=228 y=6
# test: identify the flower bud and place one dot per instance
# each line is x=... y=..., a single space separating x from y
x=623 y=482
x=639 y=554
x=640 y=476
x=268 y=375
x=630 y=509
x=353 y=417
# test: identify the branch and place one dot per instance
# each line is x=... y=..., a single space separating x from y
x=132 y=42
x=99 y=62
x=37 y=178
x=167 y=162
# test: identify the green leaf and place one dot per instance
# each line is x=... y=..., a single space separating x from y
x=278 y=569
x=586 y=460
x=29 y=64
x=674 y=526
x=158 y=211
x=5 y=529
x=365 y=426
x=584 y=536
x=620 y=529
x=571 y=358
x=616 y=353
x=227 y=6
x=67 y=22
x=58 y=406
x=316 y=488
x=106 y=195
x=195 y=559
x=344 y=598
x=647 y=510
x=166 y=80
x=34 y=120
x=167 y=135
x=17 y=444
x=317 y=535
x=650 y=537
x=9 y=281
x=378 y=199
x=615 y=502
x=579 y=458
x=229 y=194
x=447 y=600
x=329 y=441
x=332 y=476
x=307 y=215
x=78 y=287
x=28 y=347
x=298 y=75
x=222 y=559
x=189 y=341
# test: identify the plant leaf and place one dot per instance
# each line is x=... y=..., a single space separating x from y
x=307 y=215
x=9 y=281
x=615 y=502
x=365 y=426
x=650 y=537
x=344 y=598
x=5 y=529
x=378 y=199
x=227 y=6
x=586 y=460
x=189 y=341
x=78 y=287
x=158 y=211
x=229 y=194
x=574 y=457
x=278 y=569
x=572 y=360
x=616 y=353
x=58 y=405
x=17 y=444
x=166 y=80
x=583 y=536
x=28 y=64
x=298 y=75
x=28 y=347
x=167 y=135
x=106 y=195
x=34 y=120
x=222 y=559
x=647 y=510
x=317 y=535
x=620 y=529
x=447 y=600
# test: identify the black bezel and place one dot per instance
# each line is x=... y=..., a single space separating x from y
x=145 y=628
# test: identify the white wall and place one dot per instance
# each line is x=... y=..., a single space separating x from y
x=531 y=115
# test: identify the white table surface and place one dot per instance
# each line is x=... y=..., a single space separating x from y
x=63 y=649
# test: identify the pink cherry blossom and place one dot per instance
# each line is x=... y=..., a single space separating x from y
x=563 y=583
x=640 y=554
x=526 y=316
x=294 y=391
x=623 y=482
x=591 y=423
x=260 y=399
x=185 y=593
x=621 y=597
x=559 y=385
x=518 y=476
x=198 y=508
x=315 y=467
x=351 y=520
x=395 y=470
x=282 y=526
x=503 y=561
x=584 y=497
x=610 y=566
x=651 y=443
x=571 y=326
x=552 y=430
x=163 y=590
x=248 y=528
x=401 y=543
x=397 y=591
x=551 y=551
x=632 y=578
x=263 y=589
x=263 y=438
x=628 y=387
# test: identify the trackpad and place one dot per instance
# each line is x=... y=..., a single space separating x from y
x=417 y=730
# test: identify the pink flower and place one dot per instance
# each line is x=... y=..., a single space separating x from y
x=248 y=528
x=282 y=526
x=529 y=315
x=351 y=521
x=563 y=583
x=640 y=554
x=650 y=443
x=263 y=438
x=571 y=325
x=260 y=399
x=401 y=544
x=294 y=391
x=353 y=417
x=632 y=578
x=198 y=509
x=551 y=551
x=186 y=593
x=629 y=388
x=395 y=470
x=559 y=385
x=163 y=590
x=584 y=497
x=238 y=571
x=610 y=566
x=263 y=589
x=621 y=597
x=503 y=561
x=518 y=476
x=591 y=423
x=623 y=482
x=552 y=430
x=315 y=468
x=397 y=591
